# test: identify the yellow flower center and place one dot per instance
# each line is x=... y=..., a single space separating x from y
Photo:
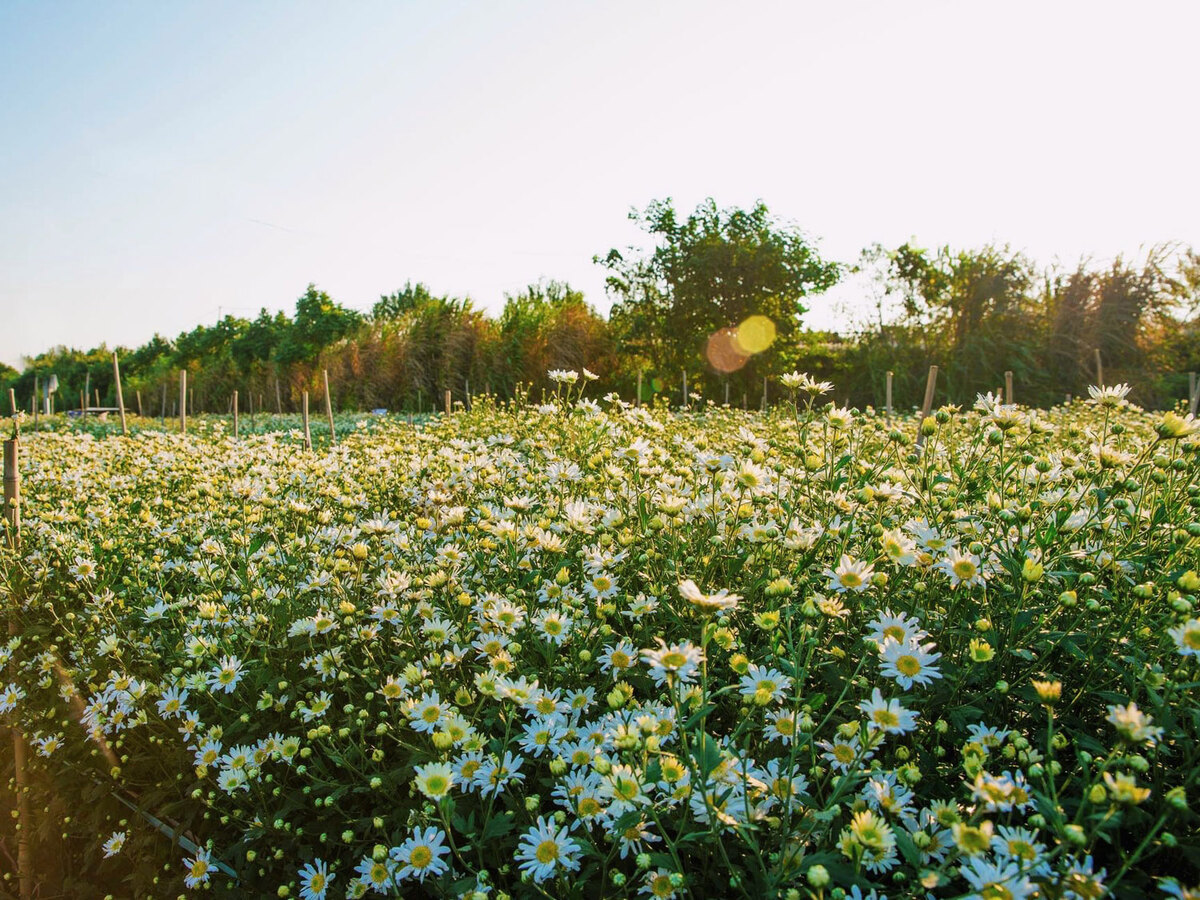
x=547 y=852
x=908 y=665
x=885 y=718
x=420 y=857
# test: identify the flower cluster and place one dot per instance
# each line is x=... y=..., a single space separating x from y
x=588 y=649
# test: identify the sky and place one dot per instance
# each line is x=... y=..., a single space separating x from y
x=162 y=164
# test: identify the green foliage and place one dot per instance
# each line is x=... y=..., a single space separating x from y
x=709 y=272
x=319 y=322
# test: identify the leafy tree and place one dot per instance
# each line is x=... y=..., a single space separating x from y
x=259 y=340
x=394 y=305
x=710 y=272
x=318 y=323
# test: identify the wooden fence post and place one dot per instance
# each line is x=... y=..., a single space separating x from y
x=278 y=399
x=726 y=391
x=1193 y=393
x=1099 y=368
x=120 y=396
x=304 y=411
x=887 y=394
x=930 y=384
x=329 y=409
x=12 y=517
x=235 y=414
x=764 y=405
x=637 y=401
x=685 y=389
x=183 y=401
x=12 y=400
x=1008 y=387
x=138 y=394
x=448 y=398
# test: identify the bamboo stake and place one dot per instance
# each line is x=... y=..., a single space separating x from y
x=120 y=396
x=447 y=401
x=726 y=391
x=235 y=415
x=1099 y=368
x=304 y=410
x=930 y=383
x=887 y=394
x=12 y=491
x=87 y=390
x=764 y=405
x=138 y=394
x=1008 y=387
x=278 y=400
x=97 y=393
x=637 y=401
x=183 y=401
x=1193 y=393
x=329 y=409
x=12 y=400
x=12 y=517
x=162 y=408
x=685 y=389
x=36 y=385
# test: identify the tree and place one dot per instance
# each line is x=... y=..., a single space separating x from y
x=319 y=322
x=709 y=273
x=547 y=326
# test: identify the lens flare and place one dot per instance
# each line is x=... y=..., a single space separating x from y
x=723 y=352
x=755 y=335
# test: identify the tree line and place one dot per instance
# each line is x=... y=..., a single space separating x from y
x=720 y=296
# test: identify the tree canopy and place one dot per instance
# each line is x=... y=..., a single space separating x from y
x=709 y=272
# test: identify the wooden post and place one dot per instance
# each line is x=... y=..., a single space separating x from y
x=1008 y=391
x=12 y=400
x=764 y=405
x=12 y=491
x=138 y=394
x=887 y=394
x=192 y=401
x=278 y=399
x=685 y=389
x=12 y=518
x=87 y=391
x=726 y=391
x=304 y=413
x=1099 y=368
x=930 y=383
x=82 y=406
x=120 y=396
x=36 y=385
x=235 y=414
x=637 y=401
x=97 y=393
x=183 y=401
x=162 y=408
x=467 y=394
x=447 y=401
x=329 y=409
x=1193 y=393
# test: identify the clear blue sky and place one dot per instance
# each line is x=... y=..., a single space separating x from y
x=162 y=161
